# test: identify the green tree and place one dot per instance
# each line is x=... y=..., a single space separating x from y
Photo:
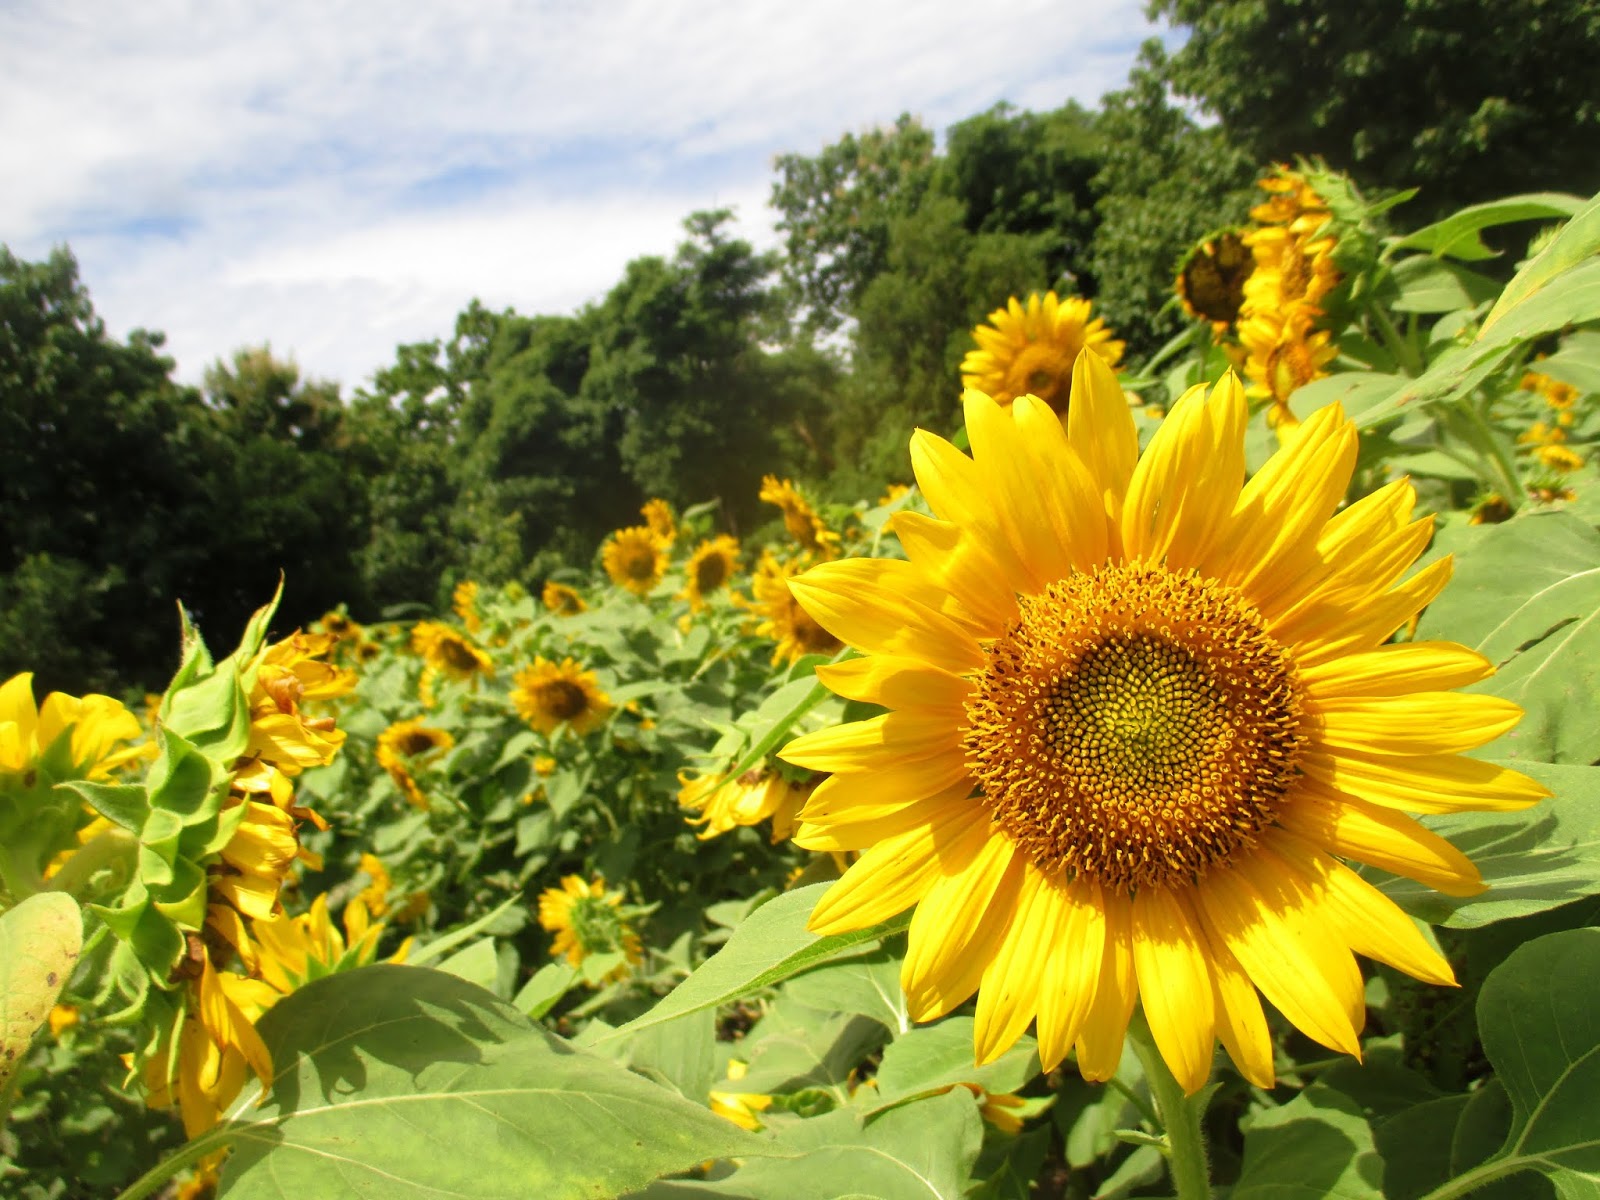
x=1466 y=100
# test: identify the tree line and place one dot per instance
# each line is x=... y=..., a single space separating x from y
x=510 y=447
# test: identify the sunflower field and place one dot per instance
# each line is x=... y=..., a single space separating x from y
x=1187 y=787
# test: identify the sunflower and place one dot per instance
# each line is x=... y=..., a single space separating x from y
x=1029 y=351
x=1284 y=356
x=72 y=737
x=799 y=518
x=1139 y=712
x=407 y=744
x=587 y=919
x=1560 y=458
x=1291 y=274
x=759 y=793
x=448 y=652
x=1291 y=201
x=660 y=520
x=561 y=599
x=634 y=559
x=782 y=618
x=464 y=602
x=296 y=950
x=1211 y=280
x=710 y=567
x=547 y=696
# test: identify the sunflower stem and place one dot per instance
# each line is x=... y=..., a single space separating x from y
x=185 y=1155
x=1181 y=1117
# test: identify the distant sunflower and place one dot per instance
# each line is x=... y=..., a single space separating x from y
x=1284 y=356
x=1028 y=350
x=799 y=518
x=1211 y=280
x=758 y=794
x=406 y=745
x=634 y=559
x=710 y=567
x=1139 y=711
x=1291 y=202
x=561 y=599
x=548 y=696
x=587 y=919
x=660 y=520
x=448 y=651
x=782 y=618
x=464 y=600
x=1561 y=459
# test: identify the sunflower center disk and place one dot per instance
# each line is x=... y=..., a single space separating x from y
x=1043 y=370
x=1135 y=725
x=564 y=699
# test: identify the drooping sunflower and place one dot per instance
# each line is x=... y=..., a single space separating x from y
x=547 y=696
x=781 y=617
x=660 y=520
x=634 y=559
x=562 y=600
x=1140 y=710
x=799 y=518
x=724 y=804
x=408 y=744
x=710 y=567
x=1211 y=281
x=587 y=919
x=1028 y=350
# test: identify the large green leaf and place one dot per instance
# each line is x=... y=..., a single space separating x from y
x=1540 y=1028
x=39 y=944
x=1526 y=594
x=1429 y=285
x=770 y=945
x=921 y=1151
x=1318 y=1144
x=405 y=1082
x=1532 y=860
x=932 y=1057
x=868 y=984
x=1457 y=235
x=1578 y=241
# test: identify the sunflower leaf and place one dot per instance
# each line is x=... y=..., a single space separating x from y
x=1318 y=1144
x=410 y=1083
x=39 y=943
x=769 y=946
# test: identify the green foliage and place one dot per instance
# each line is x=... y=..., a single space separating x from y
x=39 y=944
x=1450 y=93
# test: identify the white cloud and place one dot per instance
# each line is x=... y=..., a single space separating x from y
x=336 y=177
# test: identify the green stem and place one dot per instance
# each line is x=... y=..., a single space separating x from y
x=186 y=1155
x=1484 y=441
x=1405 y=354
x=1180 y=1117
x=1470 y=1181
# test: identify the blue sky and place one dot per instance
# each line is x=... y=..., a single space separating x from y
x=336 y=178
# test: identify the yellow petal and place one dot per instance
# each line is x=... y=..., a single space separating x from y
x=1020 y=510
x=1396 y=669
x=953 y=487
x=874 y=607
x=1100 y=428
x=845 y=799
x=1418 y=723
x=895 y=682
x=1077 y=929
x=956 y=929
x=1431 y=783
x=953 y=561
x=1010 y=992
x=1104 y=1030
x=1067 y=511
x=1169 y=958
x=875 y=743
x=1352 y=828
x=1367 y=628
x=1241 y=1025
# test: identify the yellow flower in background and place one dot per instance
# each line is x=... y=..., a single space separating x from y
x=710 y=567
x=748 y=800
x=634 y=559
x=62 y=1018
x=374 y=897
x=1140 y=708
x=659 y=519
x=87 y=730
x=1291 y=274
x=587 y=919
x=1284 y=356
x=782 y=618
x=892 y=493
x=1556 y=394
x=548 y=696
x=1028 y=350
x=562 y=600
x=464 y=602
x=799 y=518
x=449 y=652
x=340 y=627
x=1291 y=201
x=1491 y=510
x=1211 y=281
x=408 y=744
x=1560 y=458
x=1540 y=434
x=740 y=1107
x=287 y=675
x=296 y=950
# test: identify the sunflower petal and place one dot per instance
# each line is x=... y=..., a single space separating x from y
x=1100 y=428
x=1419 y=723
x=874 y=743
x=1426 y=783
x=1009 y=996
x=886 y=606
x=1392 y=841
x=1170 y=959
x=1100 y=1040
x=1241 y=1025
x=952 y=560
x=956 y=929
x=895 y=682
x=954 y=490
x=1072 y=969
x=1395 y=670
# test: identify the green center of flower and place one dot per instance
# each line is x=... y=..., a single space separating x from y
x=596 y=925
x=1135 y=725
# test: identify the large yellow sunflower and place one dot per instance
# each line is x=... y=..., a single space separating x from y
x=634 y=559
x=710 y=567
x=1029 y=350
x=1140 y=710
x=547 y=696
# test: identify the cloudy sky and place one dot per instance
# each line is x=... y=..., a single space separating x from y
x=335 y=178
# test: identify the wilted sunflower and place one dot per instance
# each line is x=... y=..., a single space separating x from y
x=659 y=518
x=1211 y=280
x=407 y=744
x=1029 y=350
x=748 y=800
x=782 y=618
x=634 y=559
x=1140 y=709
x=562 y=600
x=799 y=518
x=547 y=696
x=587 y=919
x=710 y=567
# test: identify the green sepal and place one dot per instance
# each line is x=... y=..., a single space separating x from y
x=159 y=943
x=123 y=917
x=185 y=781
x=183 y=899
x=126 y=805
x=211 y=835
x=158 y=846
